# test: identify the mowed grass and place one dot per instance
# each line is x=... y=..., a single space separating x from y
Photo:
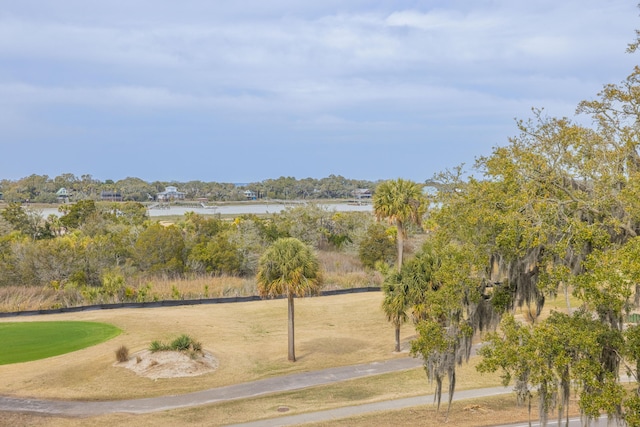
x=27 y=341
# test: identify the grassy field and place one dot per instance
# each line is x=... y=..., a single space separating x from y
x=27 y=341
x=249 y=340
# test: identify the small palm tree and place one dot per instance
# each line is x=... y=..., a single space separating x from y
x=288 y=267
x=408 y=288
x=401 y=202
x=396 y=302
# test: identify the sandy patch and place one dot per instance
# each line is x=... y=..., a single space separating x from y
x=169 y=364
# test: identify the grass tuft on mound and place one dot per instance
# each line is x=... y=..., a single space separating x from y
x=27 y=341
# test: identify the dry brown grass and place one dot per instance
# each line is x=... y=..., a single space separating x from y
x=21 y=298
x=248 y=339
x=491 y=411
x=471 y=413
x=339 y=262
x=341 y=270
x=199 y=287
x=366 y=390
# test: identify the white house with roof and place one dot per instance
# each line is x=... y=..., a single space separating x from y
x=171 y=193
x=63 y=195
x=362 y=193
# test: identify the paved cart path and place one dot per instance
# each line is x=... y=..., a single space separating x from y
x=387 y=405
x=232 y=392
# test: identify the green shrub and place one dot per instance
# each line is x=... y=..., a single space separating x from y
x=112 y=283
x=182 y=343
x=175 y=293
x=377 y=245
x=129 y=294
x=144 y=293
x=157 y=346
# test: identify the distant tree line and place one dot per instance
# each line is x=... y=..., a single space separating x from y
x=43 y=189
x=101 y=248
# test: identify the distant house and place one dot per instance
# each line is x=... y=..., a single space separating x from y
x=170 y=193
x=362 y=193
x=63 y=195
x=111 y=196
x=250 y=195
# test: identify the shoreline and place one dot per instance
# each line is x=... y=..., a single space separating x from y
x=229 y=208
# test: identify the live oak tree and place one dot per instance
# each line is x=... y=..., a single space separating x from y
x=558 y=210
x=160 y=249
x=27 y=221
x=447 y=307
x=289 y=268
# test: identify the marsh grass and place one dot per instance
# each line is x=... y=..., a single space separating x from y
x=197 y=287
x=342 y=270
x=21 y=298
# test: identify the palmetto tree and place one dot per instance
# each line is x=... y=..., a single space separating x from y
x=288 y=267
x=401 y=202
x=405 y=291
x=396 y=302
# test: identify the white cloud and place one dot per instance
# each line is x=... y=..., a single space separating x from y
x=340 y=65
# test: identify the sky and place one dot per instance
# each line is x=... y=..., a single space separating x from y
x=248 y=90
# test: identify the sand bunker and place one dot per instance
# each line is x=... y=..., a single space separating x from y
x=169 y=364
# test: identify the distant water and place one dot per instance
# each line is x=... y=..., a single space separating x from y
x=240 y=209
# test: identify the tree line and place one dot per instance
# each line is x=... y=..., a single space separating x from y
x=103 y=248
x=43 y=189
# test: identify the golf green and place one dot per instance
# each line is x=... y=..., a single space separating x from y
x=26 y=341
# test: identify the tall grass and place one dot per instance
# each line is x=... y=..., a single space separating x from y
x=342 y=270
x=197 y=287
x=21 y=298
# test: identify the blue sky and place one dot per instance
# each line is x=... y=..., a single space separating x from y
x=249 y=90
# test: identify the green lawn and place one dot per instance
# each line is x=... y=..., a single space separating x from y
x=26 y=341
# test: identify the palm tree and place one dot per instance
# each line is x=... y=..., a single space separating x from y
x=408 y=288
x=401 y=202
x=288 y=267
x=396 y=302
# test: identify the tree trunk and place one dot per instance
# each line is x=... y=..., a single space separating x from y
x=400 y=240
x=566 y=298
x=398 y=338
x=292 y=346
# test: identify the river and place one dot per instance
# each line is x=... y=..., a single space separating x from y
x=235 y=209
